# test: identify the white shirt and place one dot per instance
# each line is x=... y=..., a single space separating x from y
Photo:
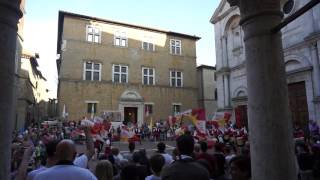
x=182 y=156
x=33 y=173
x=168 y=158
x=81 y=161
x=153 y=177
x=65 y=172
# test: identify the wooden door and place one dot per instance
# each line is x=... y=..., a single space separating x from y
x=298 y=103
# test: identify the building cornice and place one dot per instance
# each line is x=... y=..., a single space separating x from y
x=306 y=42
x=313 y=37
x=223 y=70
x=63 y=14
x=240 y=99
x=124 y=84
x=216 y=19
x=300 y=70
x=206 y=67
x=225 y=109
x=239 y=66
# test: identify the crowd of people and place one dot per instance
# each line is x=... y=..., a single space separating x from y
x=43 y=152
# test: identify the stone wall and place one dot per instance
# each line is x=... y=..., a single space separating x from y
x=73 y=91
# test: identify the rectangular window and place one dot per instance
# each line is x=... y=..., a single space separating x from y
x=93 y=34
x=176 y=109
x=175 y=46
x=92 y=71
x=119 y=73
x=120 y=39
x=148 y=76
x=176 y=79
x=148 y=109
x=148 y=46
x=91 y=108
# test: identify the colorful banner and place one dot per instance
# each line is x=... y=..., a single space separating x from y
x=220 y=119
x=191 y=117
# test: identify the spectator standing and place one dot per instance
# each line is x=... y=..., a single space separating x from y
x=206 y=156
x=65 y=169
x=157 y=162
x=240 y=168
x=305 y=162
x=185 y=168
x=219 y=172
x=141 y=169
x=128 y=155
x=51 y=160
x=161 y=149
x=104 y=170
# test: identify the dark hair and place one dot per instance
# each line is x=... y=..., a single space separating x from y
x=131 y=146
x=161 y=147
x=136 y=157
x=218 y=147
x=203 y=146
x=185 y=144
x=51 y=148
x=111 y=159
x=227 y=149
x=114 y=151
x=129 y=172
x=243 y=163
x=157 y=162
x=204 y=163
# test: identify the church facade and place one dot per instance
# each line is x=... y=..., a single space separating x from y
x=301 y=51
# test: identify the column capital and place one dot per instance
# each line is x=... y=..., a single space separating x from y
x=10 y=12
x=259 y=17
x=312 y=39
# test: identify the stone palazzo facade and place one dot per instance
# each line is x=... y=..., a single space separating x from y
x=141 y=72
x=301 y=50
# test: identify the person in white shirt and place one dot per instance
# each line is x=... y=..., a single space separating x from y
x=65 y=169
x=80 y=161
x=161 y=149
x=51 y=160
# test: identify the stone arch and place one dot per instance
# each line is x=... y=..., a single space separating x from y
x=240 y=92
x=293 y=62
x=234 y=36
x=131 y=96
x=300 y=58
x=232 y=22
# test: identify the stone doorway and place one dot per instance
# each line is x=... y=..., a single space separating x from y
x=298 y=103
x=130 y=115
x=131 y=107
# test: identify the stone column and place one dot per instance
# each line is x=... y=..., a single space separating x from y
x=224 y=51
x=316 y=70
x=9 y=15
x=271 y=141
x=316 y=79
x=227 y=90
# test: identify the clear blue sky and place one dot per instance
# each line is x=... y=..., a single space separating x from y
x=184 y=16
